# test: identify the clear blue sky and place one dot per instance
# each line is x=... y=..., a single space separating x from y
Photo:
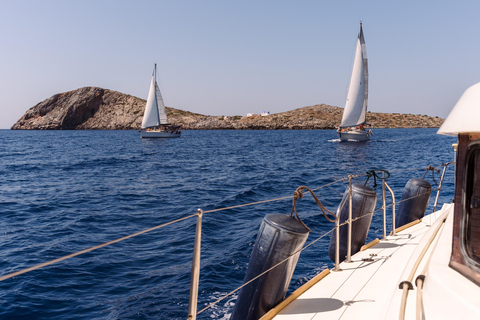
x=223 y=57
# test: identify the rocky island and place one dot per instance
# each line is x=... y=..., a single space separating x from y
x=92 y=108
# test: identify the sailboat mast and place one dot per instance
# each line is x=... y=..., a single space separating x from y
x=354 y=112
x=156 y=95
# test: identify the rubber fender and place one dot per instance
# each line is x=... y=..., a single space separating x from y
x=364 y=199
x=414 y=201
x=279 y=237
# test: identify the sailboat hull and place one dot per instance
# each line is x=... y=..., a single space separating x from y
x=159 y=134
x=354 y=136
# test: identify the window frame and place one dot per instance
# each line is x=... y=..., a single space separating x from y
x=472 y=152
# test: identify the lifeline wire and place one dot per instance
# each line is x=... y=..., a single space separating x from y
x=298 y=194
x=273 y=267
x=48 y=263
x=263 y=273
x=41 y=265
x=433 y=169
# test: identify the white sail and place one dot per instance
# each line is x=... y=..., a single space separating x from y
x=155 y=122
x=150 y=116
x=162 y=113
x=355 y=110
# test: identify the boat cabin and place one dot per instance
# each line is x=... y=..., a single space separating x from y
x=463 y=121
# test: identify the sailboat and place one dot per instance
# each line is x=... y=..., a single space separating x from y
x=355 y=112
x=155 y=122
x=427 y=268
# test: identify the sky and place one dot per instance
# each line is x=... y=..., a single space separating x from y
x=222 y=57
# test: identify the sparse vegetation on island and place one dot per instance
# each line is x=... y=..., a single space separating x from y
x=92 y=108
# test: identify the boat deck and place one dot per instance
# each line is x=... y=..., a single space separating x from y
x=366 y=286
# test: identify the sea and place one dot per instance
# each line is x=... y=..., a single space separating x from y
x=65 y=191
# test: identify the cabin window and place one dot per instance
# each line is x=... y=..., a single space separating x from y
x=471 y=206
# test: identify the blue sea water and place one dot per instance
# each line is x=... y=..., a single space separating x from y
x=65 y=191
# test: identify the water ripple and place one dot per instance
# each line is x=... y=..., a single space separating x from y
x=64 y=191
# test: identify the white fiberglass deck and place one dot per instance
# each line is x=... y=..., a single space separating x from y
x=368 y=289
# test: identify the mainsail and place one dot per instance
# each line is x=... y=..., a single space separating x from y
x=162 y=113
x=355 y=110
x=155 y=113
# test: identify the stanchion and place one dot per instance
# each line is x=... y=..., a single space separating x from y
x=192 y=304
x=349 y=244
x=393 y=208
x=337 y=249
x=384 y=208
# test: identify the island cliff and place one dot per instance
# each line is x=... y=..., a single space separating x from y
x=92 y=108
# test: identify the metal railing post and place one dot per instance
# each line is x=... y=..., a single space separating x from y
x=337 y=244
x=439 y=188
x=195 y=278
x=350 y=201
x=384 y=208
x=440 y=185
x=393 y=208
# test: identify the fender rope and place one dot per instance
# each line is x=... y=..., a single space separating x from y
x=433 y=169
x=373 y=173
x=298 y=194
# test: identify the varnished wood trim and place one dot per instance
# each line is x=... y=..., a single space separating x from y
x=369 y=245
x=279 y=307
x=406 y=226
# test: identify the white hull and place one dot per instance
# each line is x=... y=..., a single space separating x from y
x=368 y=287
x=427 y=269
x=354 y=136
x=159 y=134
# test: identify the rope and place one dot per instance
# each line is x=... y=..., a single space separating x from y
x=41 y=265
x=278 y=264
x=419 y=281
x=411 y=169
x=329 y=184
x=433 y=169
x=373 y=173
x=265 y=272
x=298 y=194
x=48 y=263
x=403 y=303
x=51 y=262
x=246 y=204
x=418 y=195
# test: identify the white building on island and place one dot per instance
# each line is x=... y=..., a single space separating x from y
x=263 y=114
